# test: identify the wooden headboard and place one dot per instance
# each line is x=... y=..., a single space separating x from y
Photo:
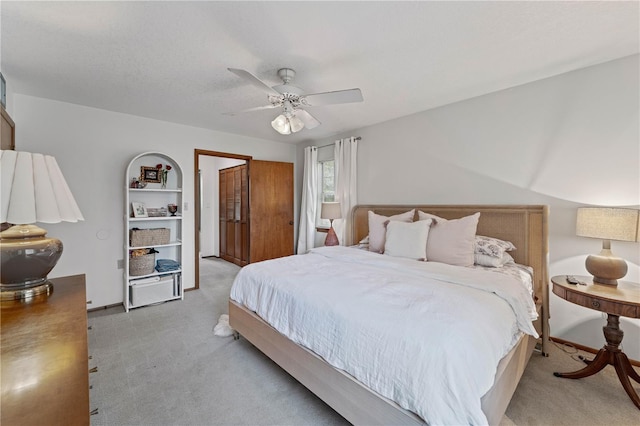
x=524 y=225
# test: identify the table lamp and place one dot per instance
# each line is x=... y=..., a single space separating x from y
x=331 y=211
x=607 y=223
x=33 y=189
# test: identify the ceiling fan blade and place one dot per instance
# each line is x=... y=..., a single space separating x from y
x=251 y=109
x=247 y=76
x=309 y=120
x=337 y=97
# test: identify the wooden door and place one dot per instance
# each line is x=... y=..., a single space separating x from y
x=271 y=210
x=234 y=220
x=222 y=211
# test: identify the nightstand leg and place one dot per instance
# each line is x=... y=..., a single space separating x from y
x=624 y=370
x=631 y=372
x=601 y=360
x=610 y=354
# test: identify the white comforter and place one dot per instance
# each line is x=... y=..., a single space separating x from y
x=426 y=335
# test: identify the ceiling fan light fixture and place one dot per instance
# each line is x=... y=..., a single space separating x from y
x=281 y=125
x=296 y=124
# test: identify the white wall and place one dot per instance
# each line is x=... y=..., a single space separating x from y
x=210 y=213
x=564 y=141
x=93 y=148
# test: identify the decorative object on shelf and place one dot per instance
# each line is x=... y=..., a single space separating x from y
x=607 y=223
x=157 y=212
x=149 y=174
x=172 y=209
x=142 y=261
x=139 y=209
x=331 y=211
x=163 y=174
x=33 y=190
x=137 y=184
x=167 y=265
x=149 y=237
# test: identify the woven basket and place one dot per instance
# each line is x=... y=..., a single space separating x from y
x=148 y=237
x=142 y=265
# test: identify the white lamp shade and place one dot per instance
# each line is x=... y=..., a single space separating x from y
x=34 y=190
x=608 y=223
x=330 y=211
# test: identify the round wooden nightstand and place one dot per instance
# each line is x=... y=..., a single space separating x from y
x=621 y=300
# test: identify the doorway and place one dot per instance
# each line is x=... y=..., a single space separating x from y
x=206 y=206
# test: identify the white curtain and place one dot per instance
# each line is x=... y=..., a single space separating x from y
x=345 y=156
x=309 y=202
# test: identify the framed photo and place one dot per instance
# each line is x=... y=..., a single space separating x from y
x=139 y=209
x=150 y=174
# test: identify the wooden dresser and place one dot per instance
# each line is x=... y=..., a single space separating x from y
x=45 y=370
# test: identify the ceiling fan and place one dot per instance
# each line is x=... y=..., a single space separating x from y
x=291 y=99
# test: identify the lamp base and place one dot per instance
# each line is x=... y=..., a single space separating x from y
x=606 y=268
x=332 y=238
x=44 y=289
x=26 y=257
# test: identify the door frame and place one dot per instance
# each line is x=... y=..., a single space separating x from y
x=196 y=185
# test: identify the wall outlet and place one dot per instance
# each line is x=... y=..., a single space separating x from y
x=120 y=263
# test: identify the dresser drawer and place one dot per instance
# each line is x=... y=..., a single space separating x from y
x=598 y=304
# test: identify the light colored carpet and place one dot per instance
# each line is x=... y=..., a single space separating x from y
x=162 y=365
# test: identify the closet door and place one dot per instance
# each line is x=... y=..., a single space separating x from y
x=234 y=200
x=271 y=210
x=222 y=211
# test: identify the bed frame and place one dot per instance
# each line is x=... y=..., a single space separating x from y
x=524 y=225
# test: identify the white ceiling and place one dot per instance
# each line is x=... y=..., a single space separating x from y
x=169 y=60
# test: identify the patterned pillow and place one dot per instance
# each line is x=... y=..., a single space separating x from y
x=492 y=262
x=492 y=246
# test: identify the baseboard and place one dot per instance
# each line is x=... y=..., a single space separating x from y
x=586 y=348
x=105 y=307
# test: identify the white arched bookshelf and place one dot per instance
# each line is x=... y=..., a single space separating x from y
x=150 y=226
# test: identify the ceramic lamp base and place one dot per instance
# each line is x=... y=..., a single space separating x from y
x=26 y=257
x=332 y=238
x=606 y=268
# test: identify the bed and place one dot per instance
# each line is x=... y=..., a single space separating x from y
x=525 y=226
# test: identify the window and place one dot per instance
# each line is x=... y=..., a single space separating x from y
x=328 y=182
x=327 y=187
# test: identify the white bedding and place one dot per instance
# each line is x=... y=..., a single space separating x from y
x=426 y=335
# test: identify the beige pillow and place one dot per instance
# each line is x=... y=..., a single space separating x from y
x=407 y=239
x=377 y=230
x=451 y=241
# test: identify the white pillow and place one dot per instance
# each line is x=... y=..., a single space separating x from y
x=377 y=230
x=492 y=261
x=451 y=241
x=407 y=239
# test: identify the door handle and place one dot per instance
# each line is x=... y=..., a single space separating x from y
x=290 y=222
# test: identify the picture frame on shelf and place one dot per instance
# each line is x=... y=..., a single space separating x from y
x=150 y=174
x=139 y=209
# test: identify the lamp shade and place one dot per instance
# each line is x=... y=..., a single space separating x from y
x=608 y=223
x=330 y=211
x=33 y=189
